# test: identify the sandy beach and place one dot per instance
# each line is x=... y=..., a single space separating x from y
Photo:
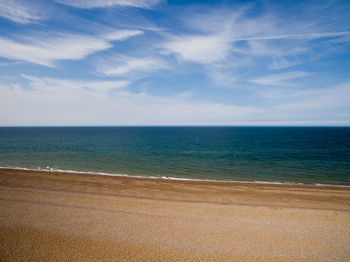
x=51 y=216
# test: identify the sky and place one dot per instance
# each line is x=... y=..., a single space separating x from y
x=158 y=62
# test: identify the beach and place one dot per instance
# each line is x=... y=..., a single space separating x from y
x=62 y=216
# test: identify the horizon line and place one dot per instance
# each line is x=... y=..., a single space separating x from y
x=48 y=126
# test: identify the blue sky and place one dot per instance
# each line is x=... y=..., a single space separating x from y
x=157 y=62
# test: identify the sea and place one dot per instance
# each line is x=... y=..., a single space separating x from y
x=291 y=155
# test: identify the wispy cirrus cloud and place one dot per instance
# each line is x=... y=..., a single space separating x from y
x=203 y=49
x=284 y=62
x=319 y=99
x=125 y=65
x=220 y=33
x=227 y=41
x=120 y=35
x=89 y=4
x=309 y=100
x=280 y=79
x=46 y=50
x=294 y=36
x=47 y=83
x=20 y=11
x=223 y=76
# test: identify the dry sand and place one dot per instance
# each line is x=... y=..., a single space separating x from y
x=48 y=216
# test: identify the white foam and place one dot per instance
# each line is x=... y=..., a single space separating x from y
x=49 y=169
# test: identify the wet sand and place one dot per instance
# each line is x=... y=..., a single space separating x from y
x=48 y=216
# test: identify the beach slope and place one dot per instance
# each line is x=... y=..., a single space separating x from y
x=56 y=216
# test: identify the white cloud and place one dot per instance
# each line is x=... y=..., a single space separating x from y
x=19 y=11
x=222 y=77
x=275 y=50
x=123 y=65
x=44 y=84
x=283 y=62
x=319 y=103
x=263 y=35
x=212 y=45
x=120 y=35
x=46 y=50
x=199 y=48
x=88 y=4
x=56 y=102
x=236 y=42
x=279 y=79
x=293 y=36
x=53 y=101
x=320 y=99
x=5 y=64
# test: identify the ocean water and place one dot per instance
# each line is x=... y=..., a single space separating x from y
x=315 y=155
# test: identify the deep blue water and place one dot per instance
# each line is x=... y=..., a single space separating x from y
x=276 y=154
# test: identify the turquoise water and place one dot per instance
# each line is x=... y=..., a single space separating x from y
x=274 y=154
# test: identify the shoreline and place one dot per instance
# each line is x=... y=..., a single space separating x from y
x=51 y=170
x=56 y=216
x=232 y=193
